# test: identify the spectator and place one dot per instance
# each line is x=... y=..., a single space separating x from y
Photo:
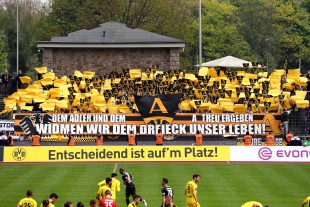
x=71 y=141
x=270 y=139
x=247 y=139
x=307 y=141
x=5 y=77
x=16 y=82
x=295 y=142
x=10 y=141
x=288 y=138
x=285 y=120
x=159 y=138
x=99 y=139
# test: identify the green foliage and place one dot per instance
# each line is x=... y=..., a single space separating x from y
x=220 y=36
x=276 y=30
x=32 y=74
x=28 y=15
x=3 y=53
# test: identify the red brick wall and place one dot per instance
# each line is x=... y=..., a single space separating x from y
x=103 y=60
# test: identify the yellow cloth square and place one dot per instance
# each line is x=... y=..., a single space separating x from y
x=25 y=79
x=41 y=70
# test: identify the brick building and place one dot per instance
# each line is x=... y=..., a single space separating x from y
x=108 y=47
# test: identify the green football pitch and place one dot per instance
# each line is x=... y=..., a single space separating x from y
x=227 y=185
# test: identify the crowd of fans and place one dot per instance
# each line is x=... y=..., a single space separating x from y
x=222 y=91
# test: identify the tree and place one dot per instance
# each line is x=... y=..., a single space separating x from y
x=28 y=15
x=3 y=54
x=220 y=36
x=276 y=30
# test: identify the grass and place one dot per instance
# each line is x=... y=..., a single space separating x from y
x=279 y=185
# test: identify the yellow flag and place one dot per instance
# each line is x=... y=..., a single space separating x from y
x=59 y=82
x=25 y=79
x=78 y=73
x=26 y=108
x=185 y=105
x=216 y=108
x=47 y=81
x=123 y=108
x=302 y=81
x=113 y=109
x=49 y=75
x=41 y=70
x=228 y=107
x=135 y=73
x=240 y=109
x=9 y=101
x=89 y=74
x=27 y=98
x=62 y=104
x=302 y=104
x=15 y=96
x=47 y=106
x=38 y=99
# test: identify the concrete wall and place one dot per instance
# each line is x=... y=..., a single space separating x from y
x=104 y=60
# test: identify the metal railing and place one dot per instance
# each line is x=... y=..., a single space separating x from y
x=299 y=122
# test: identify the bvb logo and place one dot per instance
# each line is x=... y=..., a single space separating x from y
x=19 y=154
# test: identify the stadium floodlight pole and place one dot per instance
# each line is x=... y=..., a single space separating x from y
x=17 y=41
x=200 y=38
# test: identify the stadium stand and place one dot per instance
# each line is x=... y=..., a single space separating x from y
x=223 y=91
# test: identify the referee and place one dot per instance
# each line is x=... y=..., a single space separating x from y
x=130 y=186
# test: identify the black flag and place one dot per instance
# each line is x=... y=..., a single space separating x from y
x=158 y=109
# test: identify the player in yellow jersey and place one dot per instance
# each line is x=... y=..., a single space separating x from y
x=115 y=187
x=135 y=202
x=191 y=192
x=52 y=200
x=253 y=204
x=45 y=203
x=306 y=202
x=101 y=191
x=28 y=201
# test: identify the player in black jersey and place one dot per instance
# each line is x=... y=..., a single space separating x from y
x=130 y=186
x=166 y=191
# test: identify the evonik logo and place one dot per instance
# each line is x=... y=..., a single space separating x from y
x=265 y=153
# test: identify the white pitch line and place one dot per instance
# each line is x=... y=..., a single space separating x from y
x=115 y=166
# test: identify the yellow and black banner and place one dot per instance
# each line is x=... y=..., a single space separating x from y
x=116 y=153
